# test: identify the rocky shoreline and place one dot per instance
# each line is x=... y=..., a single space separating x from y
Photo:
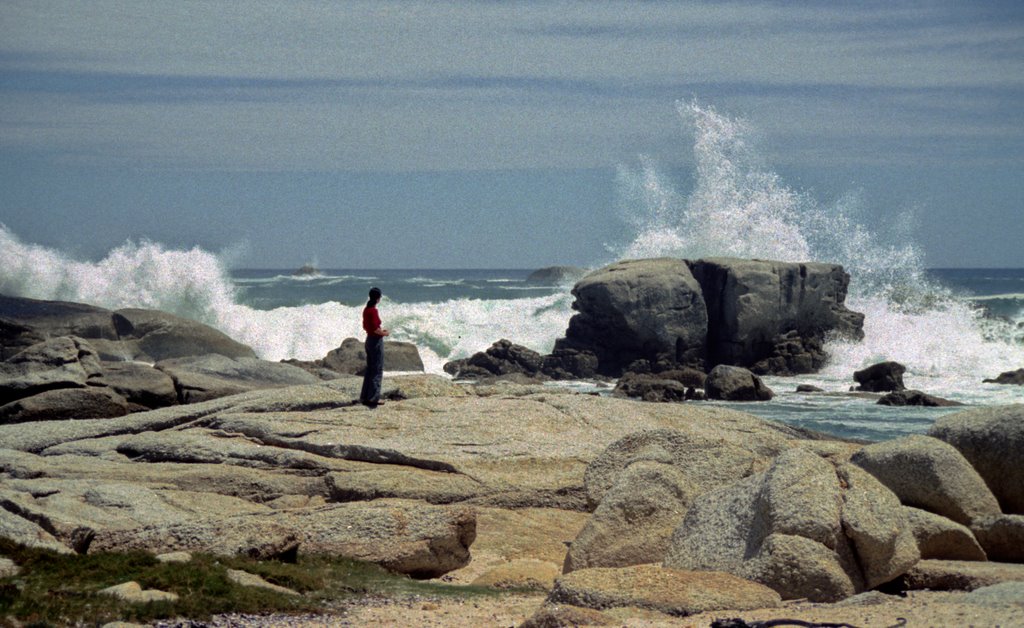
x=492 y=482
x=613 y=511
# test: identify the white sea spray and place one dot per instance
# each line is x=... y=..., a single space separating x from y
x=739 y=208
x=195 y=284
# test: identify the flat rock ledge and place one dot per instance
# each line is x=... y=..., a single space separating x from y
x=670 y=591
x=499 y=484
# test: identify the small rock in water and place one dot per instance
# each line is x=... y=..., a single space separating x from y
x=807 y=388
x=881 y=377
x=915 y=398
x=1009 y=377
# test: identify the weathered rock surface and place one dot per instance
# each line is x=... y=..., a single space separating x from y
x=635 y=519
x=251 y=472
x=651 y=387
x=28 y=533
x=915 y=398
x=90 y=402
x=520 y=574
x=941 y=538
x=992 y=440
x=1008 y=377
x=350 y=357
x=708 y=460
x=930 y=474
x=752 y=302
x=161 y=336
x=638 y=309
x=670 y=591
x=247 y=579
x=59 y=363
x=960 y=575
x=29 y=321
x=200 y=378
x=144 y=387
x=881 y=377
x=734 y=383
x=1001 y=536
x=124 y=335
x=803 y=528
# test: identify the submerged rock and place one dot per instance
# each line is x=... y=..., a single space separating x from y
x=915 y=398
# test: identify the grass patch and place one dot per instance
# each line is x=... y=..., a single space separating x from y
x=61 y=589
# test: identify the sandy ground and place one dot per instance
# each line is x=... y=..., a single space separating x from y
x=921 y=608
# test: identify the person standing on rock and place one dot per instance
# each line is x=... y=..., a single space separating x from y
x=374 y=375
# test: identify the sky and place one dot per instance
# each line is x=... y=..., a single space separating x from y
x=488 y=134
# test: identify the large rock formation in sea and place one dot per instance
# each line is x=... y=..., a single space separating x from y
x=769 y=316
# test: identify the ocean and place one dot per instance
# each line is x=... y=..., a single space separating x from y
x=950 y=327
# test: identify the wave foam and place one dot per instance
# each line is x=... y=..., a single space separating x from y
x=195 y=284
x=738 y=208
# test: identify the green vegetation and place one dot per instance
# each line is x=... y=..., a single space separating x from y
x=60 y=589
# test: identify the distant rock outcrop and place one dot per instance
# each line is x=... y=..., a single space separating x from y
x=556 y=275
x=1008 y=377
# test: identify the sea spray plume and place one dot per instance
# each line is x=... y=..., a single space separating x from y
x=657 y=228
x=736 y=208
x=192 y=284
x=740 y=208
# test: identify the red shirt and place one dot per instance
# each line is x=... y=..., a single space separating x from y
x=371 y=320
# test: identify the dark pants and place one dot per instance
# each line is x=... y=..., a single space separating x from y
x=374 y=375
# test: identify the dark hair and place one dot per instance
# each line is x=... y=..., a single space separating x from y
x=374 y=296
